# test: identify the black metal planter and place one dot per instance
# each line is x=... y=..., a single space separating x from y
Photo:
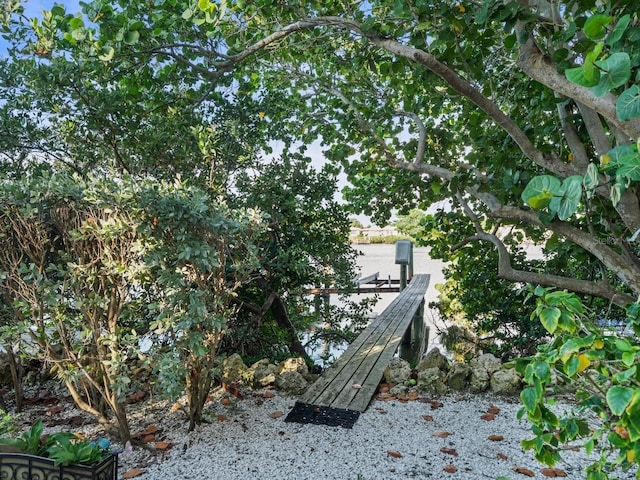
x=17 y=466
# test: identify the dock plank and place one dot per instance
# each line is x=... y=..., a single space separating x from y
x=364 y=361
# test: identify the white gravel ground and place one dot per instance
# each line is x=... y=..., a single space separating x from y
x=391 y=440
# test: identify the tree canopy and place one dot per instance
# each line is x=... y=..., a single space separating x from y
x=520 y=113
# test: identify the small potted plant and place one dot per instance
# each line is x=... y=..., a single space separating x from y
x=59 y=455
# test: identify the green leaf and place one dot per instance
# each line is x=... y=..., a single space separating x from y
x=595 y=26
x=549 y=317
x=568 y=198
x=539 y=191
x=633 y=416
x=617 y=189
x=529 y=398
x=618 y=31
x=132 y=37
x=628 y=358
x=628 y=104
x=591 y=179
x=618 y=398
x=107 y=54
x=578 y=76
x=616 y=71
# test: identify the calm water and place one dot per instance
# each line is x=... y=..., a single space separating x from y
x=381 y=258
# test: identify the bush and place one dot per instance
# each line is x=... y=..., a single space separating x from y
x=602 y=368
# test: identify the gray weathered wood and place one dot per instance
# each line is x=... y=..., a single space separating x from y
x=364 y=361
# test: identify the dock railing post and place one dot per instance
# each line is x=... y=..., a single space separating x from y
x=404 y=258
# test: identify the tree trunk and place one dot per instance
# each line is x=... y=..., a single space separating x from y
x=16 y=376
x=279 y=310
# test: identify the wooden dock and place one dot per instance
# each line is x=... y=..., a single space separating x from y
x=346 y=388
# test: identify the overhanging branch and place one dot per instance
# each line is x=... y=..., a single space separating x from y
x=506 y=271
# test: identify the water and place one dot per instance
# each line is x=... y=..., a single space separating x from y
x=380 y=258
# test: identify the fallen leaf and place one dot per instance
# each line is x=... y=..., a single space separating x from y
x=135 y=397
x=134 y=472
x=428 y=418
x=55 y=410
x=493 y=409
x=225 y=401
x=233 y=389
x=268 y=395
x=553 y=472
x=357 y=386
x=380 y=410
x=147 y=431
x=222 y=418
x=488 y=417
x=413 y=396
x=496 y=438
x=276 y=414
x=148 y=438
x=450 y=469
x=449 y=451
x=175 y=407
x=401 y=397
x=436 y=404
x=394 y=454
x=384 y=388
x=524 y=471
x=502 y=456
x=163 y=445
x=441 y=434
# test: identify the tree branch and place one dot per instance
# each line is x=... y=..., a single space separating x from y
x=506 y=271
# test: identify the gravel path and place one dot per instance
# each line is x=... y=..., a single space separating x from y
x=451 y=437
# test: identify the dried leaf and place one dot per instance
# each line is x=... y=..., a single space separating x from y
x=394 y=454
x=55 y=410
x=449 y=451
x=441 y=434
x=268 y=395
x=488 y=417
x=524 y=471
x=149 y=430
x=276 y=414
x=163 y=445
x=175 y=407
x=428 y=418
x=450 y=469
x=413 y=396
x=225 y=401
x=135 y=397
x=553 y=472
x=384 y=388
x=436 y=404
x=148 y=438
x=502 y=456
x=222 y=418
x=357 y=386
x=493 y=409
x=134 y=472
x=233 y=389
x=496 y=438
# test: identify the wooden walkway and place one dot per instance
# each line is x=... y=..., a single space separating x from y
x=346 y=388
